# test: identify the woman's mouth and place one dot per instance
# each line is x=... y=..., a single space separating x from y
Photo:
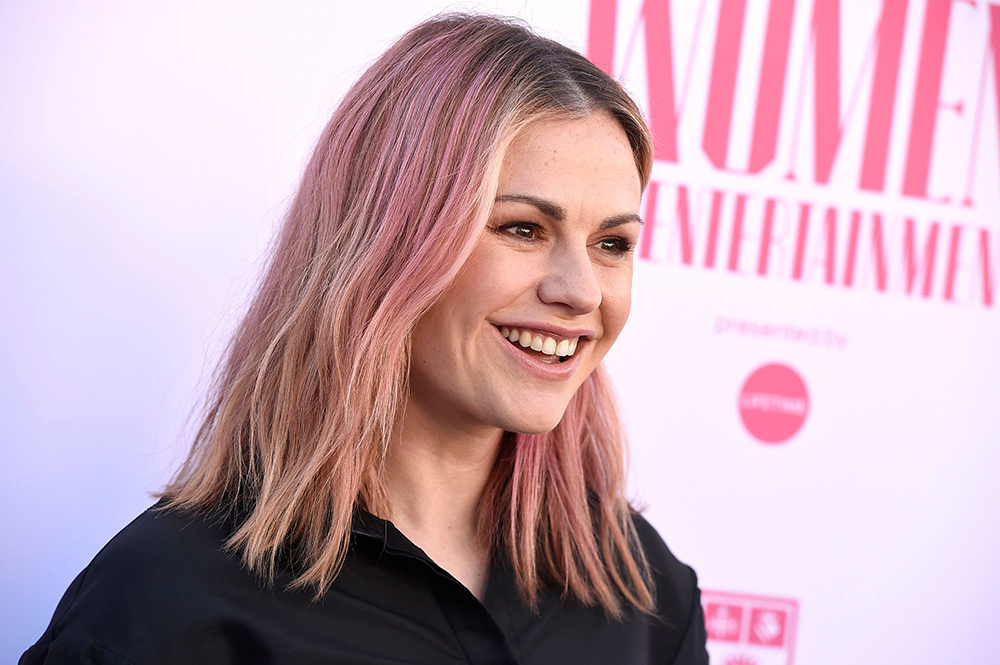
x=542 y=346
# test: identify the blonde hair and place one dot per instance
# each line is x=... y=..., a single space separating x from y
x=313 y=383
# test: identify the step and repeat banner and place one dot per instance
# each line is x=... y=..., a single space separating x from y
x=811 y=371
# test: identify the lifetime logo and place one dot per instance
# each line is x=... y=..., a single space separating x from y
x=773 y=403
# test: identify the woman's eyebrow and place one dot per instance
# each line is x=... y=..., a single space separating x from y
x=546 y=207
x=558 y=213
x=618 y=220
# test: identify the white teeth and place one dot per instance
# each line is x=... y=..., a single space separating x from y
x=544 y=344
x=549 y=346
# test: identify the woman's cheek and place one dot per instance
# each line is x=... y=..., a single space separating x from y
x=617 y=302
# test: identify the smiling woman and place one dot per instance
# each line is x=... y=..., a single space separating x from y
x=411 y=425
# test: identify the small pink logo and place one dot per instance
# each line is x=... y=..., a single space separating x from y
x=767 y=627
x=723 y=621
x=773 y=403
x=745 y=629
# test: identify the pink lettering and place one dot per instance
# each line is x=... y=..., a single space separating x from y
x=713 y=229
x=722 y=85
x=878 y=247
x=951 y=268
x=852 y=248
x=601 y=34
x=736 y=238
x=770 y=89
x=912 y=262
x=683 y=218
x=994 y=46
x=925 y=97
x=660 y=72
x=767 y=237
x=829 y=241
x=890 y=44
x=985 y=266
x=800 y=241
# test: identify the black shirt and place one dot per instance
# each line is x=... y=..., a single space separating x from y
x=163 y=591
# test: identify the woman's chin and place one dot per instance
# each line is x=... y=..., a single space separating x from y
x=539 y=422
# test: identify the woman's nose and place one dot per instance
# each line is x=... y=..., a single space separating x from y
x=571 y=281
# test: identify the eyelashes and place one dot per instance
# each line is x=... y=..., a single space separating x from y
x=520 y=230
x=615 y=245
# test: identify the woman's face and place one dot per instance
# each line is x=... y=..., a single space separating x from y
x=554 y=264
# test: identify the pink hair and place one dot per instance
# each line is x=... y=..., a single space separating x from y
x=313 y=384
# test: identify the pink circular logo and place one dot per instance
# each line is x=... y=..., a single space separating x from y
x=773 y=403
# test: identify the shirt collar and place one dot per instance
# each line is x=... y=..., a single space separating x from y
x=373 y=527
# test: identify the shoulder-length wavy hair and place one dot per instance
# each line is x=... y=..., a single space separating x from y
x=312 y=386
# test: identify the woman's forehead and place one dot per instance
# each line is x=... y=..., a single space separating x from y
x=564 y=160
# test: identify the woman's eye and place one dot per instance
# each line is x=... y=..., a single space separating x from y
x=522 y=230
x=616 y=245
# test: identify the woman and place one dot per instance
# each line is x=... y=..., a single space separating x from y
x=411 y=452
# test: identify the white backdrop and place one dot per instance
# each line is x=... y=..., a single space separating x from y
x=147 y=149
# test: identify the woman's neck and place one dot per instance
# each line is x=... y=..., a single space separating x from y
x=435 y=476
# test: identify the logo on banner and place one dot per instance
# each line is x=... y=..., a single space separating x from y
x=773 y=403
x=750 y=630
x=776 y=141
